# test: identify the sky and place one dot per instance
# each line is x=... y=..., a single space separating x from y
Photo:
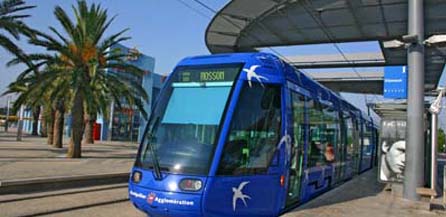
x=164 y=29
x=167 y=30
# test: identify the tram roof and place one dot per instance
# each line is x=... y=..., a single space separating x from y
x=244 y=26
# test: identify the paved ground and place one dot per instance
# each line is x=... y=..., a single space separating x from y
x=33 y=158
x=361 y=197
x=100 y=201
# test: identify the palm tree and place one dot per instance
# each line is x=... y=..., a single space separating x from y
x=36 y=113
x=20 y=87
x=59 y=120
x=101 y=105
x=58 y=94
x=34 y=95
x=48 y=115
x=49 y=94
x=11 y=21
x=82 y=58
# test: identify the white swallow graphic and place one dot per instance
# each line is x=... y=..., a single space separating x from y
x=238 y=194
x=250 y=73
x=286 y=139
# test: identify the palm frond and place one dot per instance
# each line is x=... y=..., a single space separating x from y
x=12 y=6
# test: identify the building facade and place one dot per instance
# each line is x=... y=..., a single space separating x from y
x=127 y=123
x=123 y=123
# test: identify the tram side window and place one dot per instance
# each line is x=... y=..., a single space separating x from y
x=254 y=131
x=349 y=140
x=359 y=130
x=324 y=134
x=368 y=141
x=298 y=104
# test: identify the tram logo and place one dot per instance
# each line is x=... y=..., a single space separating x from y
x=238 y=194
x=250 y=73
x=137 y=195
x=151 y=198
x=287 y=141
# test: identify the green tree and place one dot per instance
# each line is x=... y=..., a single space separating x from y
x=82 y=57
x=441 y=141
x=11 y=21
x=21 y=87
x=36 y=94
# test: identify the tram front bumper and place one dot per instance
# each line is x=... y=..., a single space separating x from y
x=161 y=203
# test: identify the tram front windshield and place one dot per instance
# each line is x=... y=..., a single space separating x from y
x=183 y=127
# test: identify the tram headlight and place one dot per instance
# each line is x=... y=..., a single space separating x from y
x=136 y=177
x=190 y=184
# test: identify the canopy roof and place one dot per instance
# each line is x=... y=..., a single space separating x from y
x=353 y=82
x=248 y=25
x=394 y=110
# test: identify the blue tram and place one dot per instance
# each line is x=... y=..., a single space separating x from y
x=246 y=134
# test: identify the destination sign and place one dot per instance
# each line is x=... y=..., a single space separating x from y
x=209 y=74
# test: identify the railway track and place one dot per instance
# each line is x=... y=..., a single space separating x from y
x=105 y=200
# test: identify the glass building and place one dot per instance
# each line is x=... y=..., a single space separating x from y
x=126 y=123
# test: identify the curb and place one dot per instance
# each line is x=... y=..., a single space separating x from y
x=18 y=186
x=58 y=211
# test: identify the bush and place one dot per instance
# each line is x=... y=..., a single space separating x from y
x=441 y=141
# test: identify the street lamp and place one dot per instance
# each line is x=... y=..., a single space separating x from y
x=20 y=124
x=435 y=39
x=393 y=44
x=410 y=39
x=415 y=43
x=435 y=109
x=8 y=102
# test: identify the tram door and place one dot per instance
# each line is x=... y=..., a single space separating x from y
x=349 y=141
x=357 y=146
x=296 y=159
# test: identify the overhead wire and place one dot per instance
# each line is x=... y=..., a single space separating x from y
x=205 y=6
x=194 y=9
x=255 y=37
x=234 y=24
x=324 y=28
x=331 y=38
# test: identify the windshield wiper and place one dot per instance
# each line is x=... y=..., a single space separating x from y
x=155 y=162
x=156 y=166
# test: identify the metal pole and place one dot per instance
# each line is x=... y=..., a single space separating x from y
x=20 y=125
x=8 y=101
x=444 y=186
x=132 y=115
x=414 y=171
x=110 y=122
x=368 y=109
x=434 y=138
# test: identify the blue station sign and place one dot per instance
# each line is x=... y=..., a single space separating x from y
x=395 y=82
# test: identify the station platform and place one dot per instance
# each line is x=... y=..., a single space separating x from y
x=31 y=164
x=363 y=196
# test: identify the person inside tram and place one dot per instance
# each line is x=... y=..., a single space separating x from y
x=315 y=153
x=329 y=153
x=393 y=160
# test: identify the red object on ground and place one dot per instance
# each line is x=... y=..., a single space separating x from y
x=96 y=131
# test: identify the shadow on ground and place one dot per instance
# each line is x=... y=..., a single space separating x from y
x=365 y=185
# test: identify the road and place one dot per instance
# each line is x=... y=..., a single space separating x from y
x=360 y=197
x=107 y=200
